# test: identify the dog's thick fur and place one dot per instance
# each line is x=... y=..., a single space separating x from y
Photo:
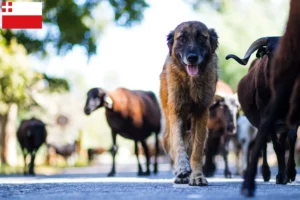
x=186 y=98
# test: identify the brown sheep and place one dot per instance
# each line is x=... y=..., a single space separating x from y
x=92 y=152
x=284 y=83
x=219 y=133
x=133 y=114
x=31 y=135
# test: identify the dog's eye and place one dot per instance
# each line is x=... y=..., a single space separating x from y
x=182 y=39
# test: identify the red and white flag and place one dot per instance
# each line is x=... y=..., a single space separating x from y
x=21 y=15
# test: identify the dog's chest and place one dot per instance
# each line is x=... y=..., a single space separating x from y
x=189 y=99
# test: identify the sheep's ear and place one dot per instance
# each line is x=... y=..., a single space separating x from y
x=170 y=40
x=214 y=43
x=101 y=92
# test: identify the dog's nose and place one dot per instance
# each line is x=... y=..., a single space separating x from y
x=192 y=58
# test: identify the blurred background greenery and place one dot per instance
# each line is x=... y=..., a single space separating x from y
x=37 y=79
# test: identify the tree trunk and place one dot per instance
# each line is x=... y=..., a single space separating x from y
x=3 y=122
x=10 y=147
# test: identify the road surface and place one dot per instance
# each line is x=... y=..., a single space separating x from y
x=87 y=183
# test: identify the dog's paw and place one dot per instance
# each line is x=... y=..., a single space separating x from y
x=182 y=178
x=182 y=170
x=198 y=179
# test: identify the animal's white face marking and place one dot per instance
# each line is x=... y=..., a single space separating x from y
x=94 y=103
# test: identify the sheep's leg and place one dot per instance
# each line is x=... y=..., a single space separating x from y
x=156 y=154
x=291 y=165
x=24 y=157
x=265 y=169
x=209 y=166
x=146 y=151
x=31 y=166
x=237 y=151
x=227 y=173
x=279 y=148
x=245 y=156
x=136 y=150
x=248 y=186
x=113 y=153
x=268 y=120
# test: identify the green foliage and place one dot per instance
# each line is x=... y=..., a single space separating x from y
x=72 y=22
x=238 y=26
x=17 y=81
x=56 y=84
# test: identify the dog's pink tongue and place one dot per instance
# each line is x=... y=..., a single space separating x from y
x=192 y=70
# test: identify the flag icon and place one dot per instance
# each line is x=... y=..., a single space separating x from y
x=21 y=15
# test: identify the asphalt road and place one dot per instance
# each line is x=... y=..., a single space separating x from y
x=87 y=183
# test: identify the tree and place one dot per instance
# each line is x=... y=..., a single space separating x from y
x=18 y=82
x=238 y=26
x=70 y=22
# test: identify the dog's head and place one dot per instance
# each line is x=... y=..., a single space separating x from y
x=192 y=45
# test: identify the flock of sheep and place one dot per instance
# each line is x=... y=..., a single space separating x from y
x=266 y=97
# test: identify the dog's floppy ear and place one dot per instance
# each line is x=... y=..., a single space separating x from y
x=170 y=40
x=213 y=39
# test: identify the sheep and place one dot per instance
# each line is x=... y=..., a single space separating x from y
x=284 y=84
x=222 y=126
x=246 y=134
x=254 y=94
x=31 y=135
x=133 y=114
x=67 y=151
x=219 y=128
x=94 y=151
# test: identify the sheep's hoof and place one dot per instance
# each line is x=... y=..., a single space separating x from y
x=227 y=174
x=291 y=175
x=198 y=180
x=155 y=171
x=281 y=179
x=208 y=171
x=266 y=173
x=141 y=173
x=291 y=172
x=248 y=188
x=111 y=174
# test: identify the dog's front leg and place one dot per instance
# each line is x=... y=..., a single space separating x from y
x=200 y=133
x=178 y=152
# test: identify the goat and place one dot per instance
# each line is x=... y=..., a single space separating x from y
x=254 y=94
x=133 y=114
x=284 y=84
x=219 y=128
x=31 y=135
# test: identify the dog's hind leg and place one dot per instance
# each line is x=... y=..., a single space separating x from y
x=199 y=130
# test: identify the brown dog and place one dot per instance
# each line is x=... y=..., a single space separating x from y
x=187 y=86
